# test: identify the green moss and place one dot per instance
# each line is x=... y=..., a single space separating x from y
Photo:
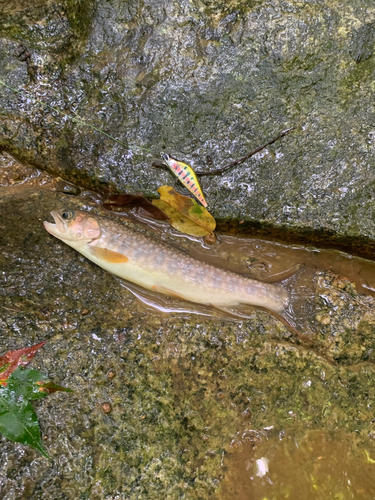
x=219 y=10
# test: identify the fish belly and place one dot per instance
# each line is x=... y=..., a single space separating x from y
x=191 y=280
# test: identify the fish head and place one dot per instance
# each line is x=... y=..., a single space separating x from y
x=73 y=226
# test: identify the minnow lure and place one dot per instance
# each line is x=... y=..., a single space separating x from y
x=186 y=175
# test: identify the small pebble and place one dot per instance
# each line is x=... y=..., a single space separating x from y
x=246 y=415
x=210 y=238
x=106 y=407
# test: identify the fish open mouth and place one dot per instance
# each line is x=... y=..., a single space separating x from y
x=57 y=227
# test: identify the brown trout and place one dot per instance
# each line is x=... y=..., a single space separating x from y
x=156 y=266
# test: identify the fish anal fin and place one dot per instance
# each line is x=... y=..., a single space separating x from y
x=166 y=291
x=108 y=255
x=238 y=311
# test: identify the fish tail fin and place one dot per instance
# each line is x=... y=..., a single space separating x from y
x=301 y=310
x=299 y=314
x=295 y=308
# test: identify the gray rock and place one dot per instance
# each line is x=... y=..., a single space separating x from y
x=203 y=78
x=363 y=41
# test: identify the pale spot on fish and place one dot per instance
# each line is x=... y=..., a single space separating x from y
x=159 y=259
x=172 y=266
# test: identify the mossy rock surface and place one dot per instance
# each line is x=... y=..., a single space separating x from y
x=183 y=390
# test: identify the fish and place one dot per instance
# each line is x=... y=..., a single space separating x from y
x=140 y=258
x=187 y=176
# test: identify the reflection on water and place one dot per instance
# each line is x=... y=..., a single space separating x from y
x=314 y=466
x=270 y=261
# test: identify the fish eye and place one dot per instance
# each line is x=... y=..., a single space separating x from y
x=165 y=156
x=68 y=214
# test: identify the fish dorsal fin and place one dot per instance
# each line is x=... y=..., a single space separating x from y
x=108 y=255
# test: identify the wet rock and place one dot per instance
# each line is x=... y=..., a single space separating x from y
x=22 y=53
x=363 y=42
x=67 y=188
x=206 y=81
x=203 y=79
x=181 y=388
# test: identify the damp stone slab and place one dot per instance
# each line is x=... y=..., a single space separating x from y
x=206 y=82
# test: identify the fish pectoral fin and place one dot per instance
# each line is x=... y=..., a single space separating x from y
x=108 y=255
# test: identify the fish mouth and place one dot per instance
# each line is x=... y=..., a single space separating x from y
x=56 y=228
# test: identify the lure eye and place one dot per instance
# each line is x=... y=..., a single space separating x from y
x=68 y=214
x=165 y=156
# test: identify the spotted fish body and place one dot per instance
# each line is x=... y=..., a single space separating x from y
x=156 y=266
x=186 y=175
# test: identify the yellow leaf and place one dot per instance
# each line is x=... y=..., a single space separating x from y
x=369 y=459
x=178 y=221
x=184 y=213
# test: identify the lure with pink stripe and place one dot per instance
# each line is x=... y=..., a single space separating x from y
x=186 y=175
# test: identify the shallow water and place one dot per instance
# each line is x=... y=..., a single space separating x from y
x=301 y=464
x=294 y=267
x=270 y=419
x=315 y=465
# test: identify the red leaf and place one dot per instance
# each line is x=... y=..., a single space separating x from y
x=125 y=202
x=13 y=359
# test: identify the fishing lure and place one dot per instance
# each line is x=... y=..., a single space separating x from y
x=186 y=175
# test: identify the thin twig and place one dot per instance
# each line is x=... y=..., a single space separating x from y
x=10 y=309
x=241 y=160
